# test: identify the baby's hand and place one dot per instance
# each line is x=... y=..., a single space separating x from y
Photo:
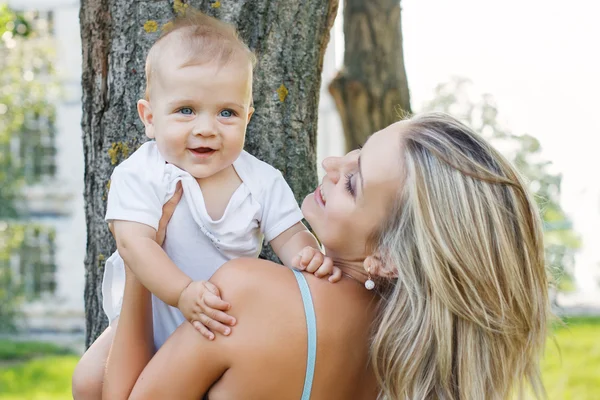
x=313 y=261
x=201 y=304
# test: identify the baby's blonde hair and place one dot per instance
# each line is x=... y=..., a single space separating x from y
x=467 y=317
x=204 y=38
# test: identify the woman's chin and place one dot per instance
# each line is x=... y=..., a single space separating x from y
x=306 y=205
x=310 y=210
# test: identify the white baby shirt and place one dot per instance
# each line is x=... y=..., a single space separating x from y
x=263 y=206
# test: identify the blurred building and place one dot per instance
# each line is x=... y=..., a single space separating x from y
x=54 y=282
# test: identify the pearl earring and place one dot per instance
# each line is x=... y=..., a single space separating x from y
x=369 y=284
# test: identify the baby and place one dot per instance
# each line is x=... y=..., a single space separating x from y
x=197 y=106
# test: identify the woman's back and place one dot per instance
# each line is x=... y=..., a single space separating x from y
x=268 y=346
x=265 y=356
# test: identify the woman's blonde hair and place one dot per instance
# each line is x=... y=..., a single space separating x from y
x=466 y=318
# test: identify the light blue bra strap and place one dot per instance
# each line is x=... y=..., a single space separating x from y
x=311 y=324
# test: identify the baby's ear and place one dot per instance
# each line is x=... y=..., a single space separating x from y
x=146 y=116
x=250 y=113
x=375 y=264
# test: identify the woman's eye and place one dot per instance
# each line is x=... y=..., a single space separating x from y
x=349 y=186
x=186 y=111
x=226 y=113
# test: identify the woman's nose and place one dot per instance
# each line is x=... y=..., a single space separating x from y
x=331 y=165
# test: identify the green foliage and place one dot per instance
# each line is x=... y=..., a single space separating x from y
x=456 y=98
x=10 y=300
x=27 y=97
x=13 y=22
x=27 y=114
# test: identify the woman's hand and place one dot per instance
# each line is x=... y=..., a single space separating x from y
x=167 y=213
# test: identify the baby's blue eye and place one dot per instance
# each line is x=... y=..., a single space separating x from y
x=226 y=113
x=186 y=111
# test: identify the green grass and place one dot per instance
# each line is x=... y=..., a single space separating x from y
x=572 y=370
x=46 y=378
x=35 y=371
x=40 y=371
x=11 y=350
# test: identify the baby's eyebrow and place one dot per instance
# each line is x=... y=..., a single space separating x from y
x=178 y=102
x=238 y=105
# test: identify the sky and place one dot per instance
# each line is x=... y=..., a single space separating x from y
x=540 y=61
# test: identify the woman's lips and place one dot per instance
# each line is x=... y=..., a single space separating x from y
x=202 y=152
x=318 y=197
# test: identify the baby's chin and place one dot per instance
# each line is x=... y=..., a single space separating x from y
x=210 y=172
x=194 y=171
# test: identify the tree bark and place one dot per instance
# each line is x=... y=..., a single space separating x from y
x=289 y=39
x=371 y=91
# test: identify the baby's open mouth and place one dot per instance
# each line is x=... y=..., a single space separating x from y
x=202 y=151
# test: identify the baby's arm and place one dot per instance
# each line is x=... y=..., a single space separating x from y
x=137 y=246
x=198 y=301
x=296 y=247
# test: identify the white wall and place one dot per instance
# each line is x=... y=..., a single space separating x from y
x=330 y=135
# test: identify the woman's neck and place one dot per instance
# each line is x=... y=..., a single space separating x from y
x=353 y=269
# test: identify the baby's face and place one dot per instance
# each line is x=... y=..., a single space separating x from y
x=200 y=114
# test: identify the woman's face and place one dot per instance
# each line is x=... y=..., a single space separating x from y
x=356 y=195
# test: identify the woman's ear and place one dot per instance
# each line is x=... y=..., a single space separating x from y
x=377 y=267
x=145 y=113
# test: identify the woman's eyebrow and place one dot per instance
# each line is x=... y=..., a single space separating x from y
x=362 y=180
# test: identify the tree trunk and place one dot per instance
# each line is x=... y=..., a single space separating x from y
x=371 y=91
x=289 y=38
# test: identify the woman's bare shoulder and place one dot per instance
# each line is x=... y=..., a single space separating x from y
x=248 y=273
x=249 y=281
x=266 y=302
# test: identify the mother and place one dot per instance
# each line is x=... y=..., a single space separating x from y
x=449 y=234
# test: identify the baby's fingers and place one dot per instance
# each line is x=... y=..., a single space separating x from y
x=306 y=255
x=212 y=288
x=219 y=316
x=203 y=330
x=317 y=267
x=214 y=326
x=212 y=301
x=336 y=276
x=296 y=262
